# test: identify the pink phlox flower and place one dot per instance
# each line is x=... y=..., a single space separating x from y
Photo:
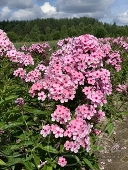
x=62 y=161
x=41 y=96
x=57 y=131
x=46 y=130
x=20 y=72
x=61 y=114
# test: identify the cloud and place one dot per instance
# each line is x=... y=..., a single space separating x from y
x=122 y=18
x=14 y=4
x=20 y=4
x=104 y=10
x=5 y=13
x=3 y=3
x=90 y=8
x=47 y=8
x=28 y=13
x=83 y=6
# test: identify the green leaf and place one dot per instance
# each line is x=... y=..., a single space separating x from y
x=29 y=165
x=47 y=167
x=110 y=128
x=124 y=113
x=36 y=159
x=11 y=97
x=2 y=124
x=97 y=148
x=36 y=111
x=89 y=164
x=2 y=162
x=50 y=162
x=49 y=148
x=13 y=161
x=11 y=125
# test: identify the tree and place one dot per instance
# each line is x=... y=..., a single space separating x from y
x=101 y=32
x=27 y=38
x=72 y=31
x=35 y=33
x=56 y=35
x=64 y=32
x=12 y=36
x=47 y=33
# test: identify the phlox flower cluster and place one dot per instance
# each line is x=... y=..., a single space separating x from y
x=61 y=114
x=20 y=72
x=100 y=86
x=85 y=111
x=32 y=76
x=20 y=101
x=68 y=67
x=121 y=88
x=114 y=60
x=5 y=44
x=77 y=63
x=78 y=132
x=39 y=49
x=7 y=48
x=113 y=56
x=20 y=57
x=54 y=129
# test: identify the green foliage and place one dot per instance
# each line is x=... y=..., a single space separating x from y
x=101 y=32
x=12 y=36
x=22 y=146
x=82 y=25
x=35 y=33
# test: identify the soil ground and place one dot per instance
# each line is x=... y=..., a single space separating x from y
x=115 y=154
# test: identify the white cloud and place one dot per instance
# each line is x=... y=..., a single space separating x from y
x=5 y=13
x=122 y=18
x=104 y=10
x=47 y=8
x=28 y=13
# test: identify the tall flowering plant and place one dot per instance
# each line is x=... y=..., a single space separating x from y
x=78 y=83
x=68 y=95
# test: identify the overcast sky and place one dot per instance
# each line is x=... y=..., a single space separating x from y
x=104 y=10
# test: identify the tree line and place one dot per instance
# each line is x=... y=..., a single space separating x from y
x=55 y=29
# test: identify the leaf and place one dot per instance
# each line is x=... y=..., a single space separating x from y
x=89 y=164
x=47 y=167
x=29 y=165
x=11 y=97
x=49 y=148
x=11 y=125
x=50 y=162
x=13 y=161
x=2 y=162
x=36 y=111
x=124 y=113
x=2 y=124
x=97 y=148
x=110 y=128
x=36 y=159
x=8 y=98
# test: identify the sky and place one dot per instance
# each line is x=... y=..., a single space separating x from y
x=108 y=11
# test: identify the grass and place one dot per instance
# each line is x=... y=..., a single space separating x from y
x=52 y=43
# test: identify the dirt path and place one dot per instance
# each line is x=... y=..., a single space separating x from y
x=115 y=154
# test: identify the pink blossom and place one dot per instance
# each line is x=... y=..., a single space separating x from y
x=62 y=161
x=46 y=130
x=41 y=96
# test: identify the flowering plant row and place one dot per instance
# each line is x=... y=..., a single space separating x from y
x=74 y=83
